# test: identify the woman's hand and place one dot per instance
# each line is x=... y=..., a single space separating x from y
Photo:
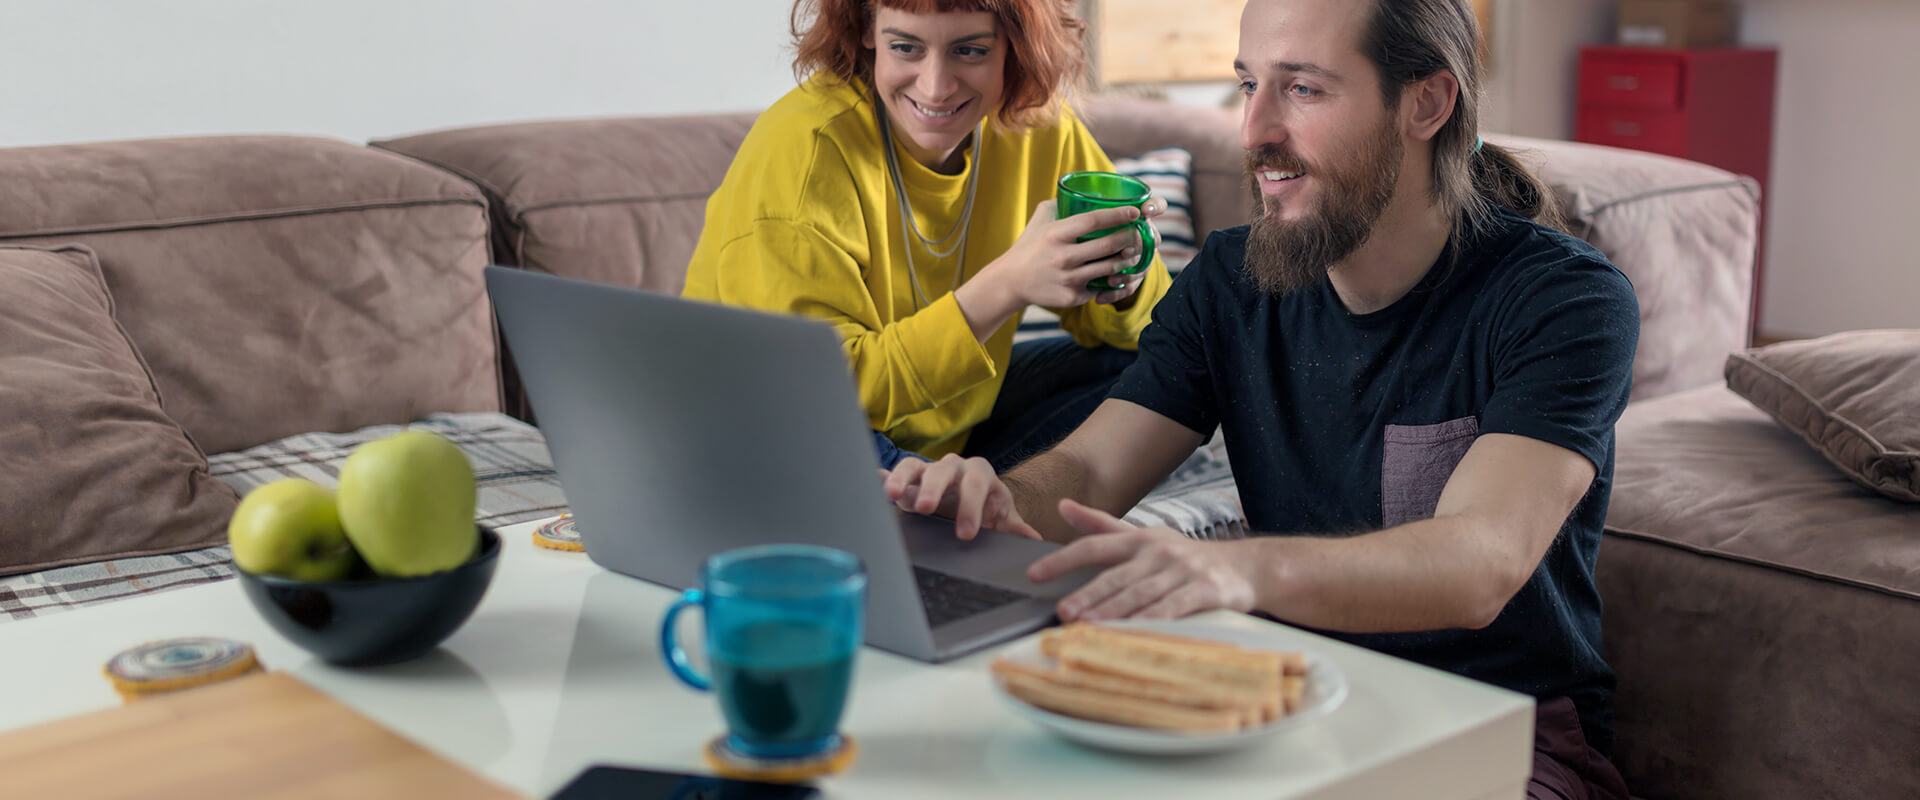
x=1047 y=267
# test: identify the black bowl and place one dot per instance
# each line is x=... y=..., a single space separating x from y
x=375 y=620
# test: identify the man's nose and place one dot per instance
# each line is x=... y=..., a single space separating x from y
x=1262 y=122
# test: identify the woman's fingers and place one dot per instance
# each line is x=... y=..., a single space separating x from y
x=1078 y=225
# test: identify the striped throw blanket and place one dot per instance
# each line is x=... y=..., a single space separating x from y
x=517 y=484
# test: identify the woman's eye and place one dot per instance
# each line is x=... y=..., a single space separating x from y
x=904 y=48
x=970 y=51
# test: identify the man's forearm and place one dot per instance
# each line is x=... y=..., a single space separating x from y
x=1426 y=575
x=1039 y=483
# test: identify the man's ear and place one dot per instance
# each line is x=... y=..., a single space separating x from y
x=1429 y=103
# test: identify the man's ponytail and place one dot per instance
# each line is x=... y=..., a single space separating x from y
x=1499 y=179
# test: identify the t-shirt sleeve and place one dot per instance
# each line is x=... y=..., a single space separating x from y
x=1563 y=360
x=1172 y=375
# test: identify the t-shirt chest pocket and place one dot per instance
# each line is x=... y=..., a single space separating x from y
x=1416 y=462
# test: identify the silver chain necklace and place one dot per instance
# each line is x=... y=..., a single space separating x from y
x=909 y=229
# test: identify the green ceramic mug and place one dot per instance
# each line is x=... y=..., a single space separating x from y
x=1081 y=192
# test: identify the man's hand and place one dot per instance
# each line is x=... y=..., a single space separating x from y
x=1161 y=574
x=965 y=490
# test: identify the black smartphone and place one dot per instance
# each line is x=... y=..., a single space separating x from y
x=625 y=783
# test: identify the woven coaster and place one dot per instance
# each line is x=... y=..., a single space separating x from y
x=731 y=763
x=171 y=664
x=560 y=534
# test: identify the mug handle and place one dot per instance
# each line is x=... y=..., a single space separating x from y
x=1146 y=243
x=1145 y=230
x=677 y=661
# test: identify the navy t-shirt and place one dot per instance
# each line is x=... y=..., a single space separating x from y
x=1339 y=423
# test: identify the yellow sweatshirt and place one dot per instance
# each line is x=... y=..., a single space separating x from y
x=805 y=222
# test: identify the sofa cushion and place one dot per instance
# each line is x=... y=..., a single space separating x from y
x=1854 y=396
x=618 y=201
x=1759 y=611
x=90 y=467
x=275 y=284
x=517 y=483
x=1127 y=127
x=1168 y=172
x=509 y=459
x=1684 y=233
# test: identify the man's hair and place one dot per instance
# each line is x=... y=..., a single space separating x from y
x=1411 y=40
x=1045 y=53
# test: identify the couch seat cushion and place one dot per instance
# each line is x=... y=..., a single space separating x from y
x=509 y=460
x=90 y=467
x=1760 y=611
x=517 y=483
x=1706 y=471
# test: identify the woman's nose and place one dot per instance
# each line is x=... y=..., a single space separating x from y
x=936 y=80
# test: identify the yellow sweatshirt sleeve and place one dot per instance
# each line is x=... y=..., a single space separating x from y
x=1095 y=324
x=901 y=368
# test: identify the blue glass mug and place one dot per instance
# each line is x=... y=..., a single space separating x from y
x=783 y=625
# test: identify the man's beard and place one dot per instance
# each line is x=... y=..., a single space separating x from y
x=1283 y=257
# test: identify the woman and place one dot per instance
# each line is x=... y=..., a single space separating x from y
x=903 y=193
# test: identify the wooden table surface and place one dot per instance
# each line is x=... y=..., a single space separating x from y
x=261 y=736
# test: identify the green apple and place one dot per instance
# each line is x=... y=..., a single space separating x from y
x=291 y=528
x=407 y=504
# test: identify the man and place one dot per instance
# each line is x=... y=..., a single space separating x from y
x=1417 y=378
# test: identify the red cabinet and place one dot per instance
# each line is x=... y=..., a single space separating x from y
x=1710 y=106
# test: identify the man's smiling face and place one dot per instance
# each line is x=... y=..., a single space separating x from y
x=1324 y=150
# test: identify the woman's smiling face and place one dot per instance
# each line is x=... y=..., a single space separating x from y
x=938 y=75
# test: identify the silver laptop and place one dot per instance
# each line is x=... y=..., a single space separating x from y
x=680 y=429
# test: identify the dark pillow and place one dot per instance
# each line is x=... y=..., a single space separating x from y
x=90 y=467
x=1854 y=396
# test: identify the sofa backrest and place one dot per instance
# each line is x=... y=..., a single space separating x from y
x=1127 y=127
x=619 y=201
x=274 y=284
x=622 y=201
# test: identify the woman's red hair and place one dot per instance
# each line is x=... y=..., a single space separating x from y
x=1045 y=52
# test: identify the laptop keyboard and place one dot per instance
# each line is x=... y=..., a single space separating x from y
x=951 y=597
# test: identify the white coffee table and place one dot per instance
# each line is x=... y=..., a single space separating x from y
x=559 y=670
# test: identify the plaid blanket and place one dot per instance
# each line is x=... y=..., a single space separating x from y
x=510 y=461
x=1198 y=499
x=517 y=484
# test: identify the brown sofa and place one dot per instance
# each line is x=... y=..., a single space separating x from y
x=1684 y=233
x=281 y=285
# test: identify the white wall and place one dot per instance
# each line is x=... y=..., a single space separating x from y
x=1844 y=208
x=77 y=70
x=1847 y=142
x=1536 y=63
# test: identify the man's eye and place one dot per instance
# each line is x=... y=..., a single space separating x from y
x=1304 y=91
x=1248 y=87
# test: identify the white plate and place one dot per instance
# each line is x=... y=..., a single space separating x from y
x=1326 y=689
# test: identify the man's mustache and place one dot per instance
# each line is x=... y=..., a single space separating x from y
x=1274 y=157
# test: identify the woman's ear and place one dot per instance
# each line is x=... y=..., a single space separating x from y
x=1430 y=103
